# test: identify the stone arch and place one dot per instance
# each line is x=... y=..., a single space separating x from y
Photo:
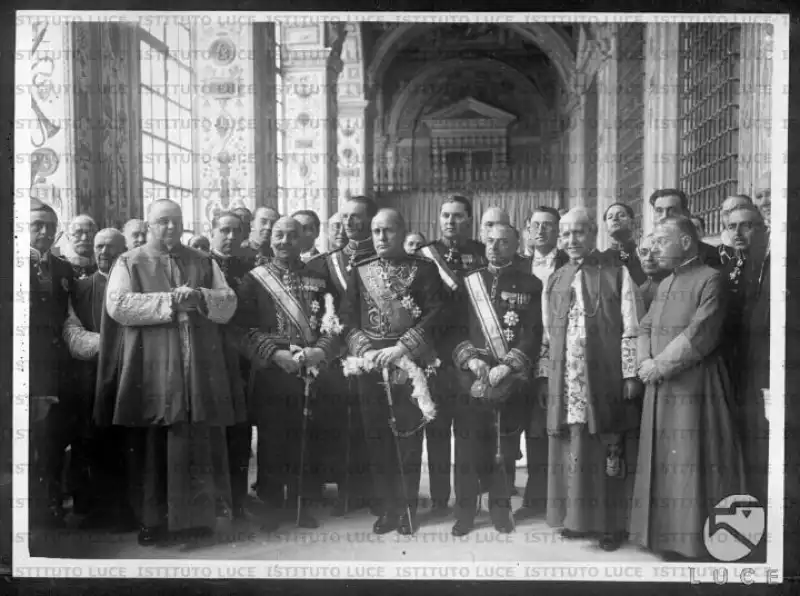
x=550 y=41
x=438 y=69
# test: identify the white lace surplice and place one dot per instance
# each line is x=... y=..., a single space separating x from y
x=575 y=357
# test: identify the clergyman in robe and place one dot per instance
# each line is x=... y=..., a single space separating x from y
x=171 y=378
x=689 y=451
x=590 y=312
x=97 y=453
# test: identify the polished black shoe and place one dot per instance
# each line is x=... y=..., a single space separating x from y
x=611 y=542
x=502 y=520
x=151 y=536
x=462 y=528
x=385 y=524
x=407 y=525
x=568 y=534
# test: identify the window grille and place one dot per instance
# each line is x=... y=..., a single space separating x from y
x=630 y=115
x=709 y=117
x=590 y=145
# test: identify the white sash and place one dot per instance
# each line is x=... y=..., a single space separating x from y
x=285 y=301
x=490 y=324
x=337 y=268
x=447 y=276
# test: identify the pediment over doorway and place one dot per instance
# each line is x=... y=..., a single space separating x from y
x=469 y=113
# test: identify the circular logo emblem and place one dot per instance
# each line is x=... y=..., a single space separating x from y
x=734 y=528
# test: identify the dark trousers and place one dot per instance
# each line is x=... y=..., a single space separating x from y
x=48 y=441
x=240 y=438
x=439 y=435
x=382 y=444
x=278 y=412
x=536 y=451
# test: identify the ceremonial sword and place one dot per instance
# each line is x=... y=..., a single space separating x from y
x=393 y=426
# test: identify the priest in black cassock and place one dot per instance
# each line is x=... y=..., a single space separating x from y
x=97 y=453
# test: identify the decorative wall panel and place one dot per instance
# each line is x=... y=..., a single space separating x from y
x=353 y=163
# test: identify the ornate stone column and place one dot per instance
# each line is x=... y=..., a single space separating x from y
x=44 y=74
x=576 y=189
x=354 y=167
x=225 y=108
x=661 y=97
x=311 y=67
x=607 y=130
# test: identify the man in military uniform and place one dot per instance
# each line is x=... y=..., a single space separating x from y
x=227 y=231
x=97 y=454
x=51 y=280
x=336 y=235
x=257 y=243
x=311 y=228
x=494 y=364
x=454 y=255
x=279 y=320
x=391 y=309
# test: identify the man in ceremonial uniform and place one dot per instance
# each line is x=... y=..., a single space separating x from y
x=78 y=247
x=492 y=216
x=135 y=232
x=309 y=221
x=454 y=255
x=392 y=306
x=279 y=318
x=590 y=312
x=51 y=280
x=226 y=234
x=689 y=451
x=351 y=466
x=257 y=244
x=171 y=384
x=97 y=454
x=336 y=234
x=671 y=202
x=545 y=258
x=494 y=363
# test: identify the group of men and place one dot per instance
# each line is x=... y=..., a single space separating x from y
x=168 y=356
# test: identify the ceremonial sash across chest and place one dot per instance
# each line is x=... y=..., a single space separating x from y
x=338 y=269
x=284 y=299
x=448 y=277
x=487 y=317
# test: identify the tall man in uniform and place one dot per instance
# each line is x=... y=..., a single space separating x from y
x=671 y=202
x=279 y=317
x=258 y=239
x=353 y=477
x=135 y=232
x=591 y=320
x=172 y=385
x=492 y=216
x=226 y=234
x=454 y=255
x=309 y=221
x=51 y=280
x=494 y=365
x=545 y=258
x=336 y=234
x=391 y=309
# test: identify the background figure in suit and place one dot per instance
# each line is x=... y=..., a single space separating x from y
x=619 y=220
x=51 y=281
x=495 y=359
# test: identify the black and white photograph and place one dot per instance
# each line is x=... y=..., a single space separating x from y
x=467 y=296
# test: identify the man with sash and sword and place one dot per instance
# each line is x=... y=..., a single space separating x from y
x=280 y=322
x=393 y=303
x=454 y=254
x=353 y=478
x=494 y=365
x=590 y=312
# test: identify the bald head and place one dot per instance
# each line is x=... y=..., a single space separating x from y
x=135 y=232
x=388 y=233
x=578 y=233
x=165 y=224
x=492 y=217
x=109 y=243
x=286 y=241
x=81 y=232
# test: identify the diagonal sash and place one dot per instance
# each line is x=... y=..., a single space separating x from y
x=487 y=317
x=447 y=276
x=338 y=269
x=285 y=301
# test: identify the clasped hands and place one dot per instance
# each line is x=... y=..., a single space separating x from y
x=494 y=376
x=289 y=364
x=386 y=357
x=187 y=299
x=649 y=373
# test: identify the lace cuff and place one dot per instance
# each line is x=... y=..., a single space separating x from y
x=82 y=344
x=220 y=305
x=544 y=362
x=518 y=361
x=414 y=341
x=358 y=343
x=629 y=362
x=463 y=353
x=134 y=309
